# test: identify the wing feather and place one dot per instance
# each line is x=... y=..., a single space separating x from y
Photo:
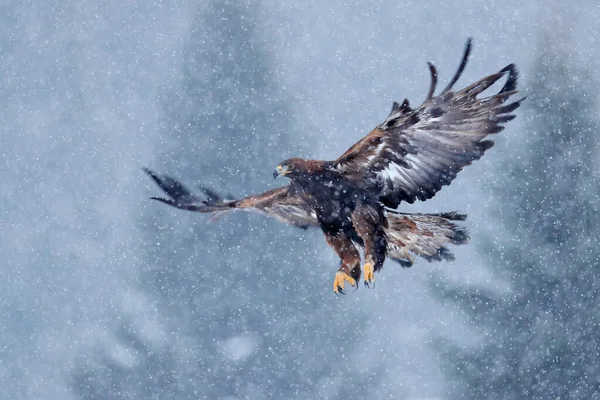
x=281 y=203
x=414 y=153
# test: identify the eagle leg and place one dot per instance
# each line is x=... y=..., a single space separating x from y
x=370 y=222
x=369 y=275
x=350 y=261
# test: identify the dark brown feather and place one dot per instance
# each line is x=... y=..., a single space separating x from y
x=461 y=68
x=433 y=73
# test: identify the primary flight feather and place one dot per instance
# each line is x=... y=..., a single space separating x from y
x=411 y=155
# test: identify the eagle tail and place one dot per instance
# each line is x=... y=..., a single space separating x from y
x=425 y=235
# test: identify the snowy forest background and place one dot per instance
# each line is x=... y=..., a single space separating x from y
x=107 y=295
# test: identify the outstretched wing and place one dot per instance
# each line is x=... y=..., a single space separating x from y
x=281 y=203
x=415 y=152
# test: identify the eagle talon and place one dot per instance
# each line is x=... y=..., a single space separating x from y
x=340 y=278
x=369 y=275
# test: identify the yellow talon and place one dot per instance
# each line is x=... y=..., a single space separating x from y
x=340 y=278
x=368 y=273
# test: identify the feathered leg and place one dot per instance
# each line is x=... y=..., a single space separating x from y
x=370 y=223
x=350 y=261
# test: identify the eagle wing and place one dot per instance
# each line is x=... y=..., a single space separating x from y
x=282 y=203
x=415 y=152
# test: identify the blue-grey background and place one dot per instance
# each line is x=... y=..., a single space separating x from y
x=104 y=294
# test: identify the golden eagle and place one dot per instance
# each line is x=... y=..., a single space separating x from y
x=353 y=199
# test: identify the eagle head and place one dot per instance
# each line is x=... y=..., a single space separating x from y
x=298 y=168
x=288 y=167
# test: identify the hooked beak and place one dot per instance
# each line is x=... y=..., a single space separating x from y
x=278 y=172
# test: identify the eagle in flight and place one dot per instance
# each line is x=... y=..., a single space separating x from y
x=410 y=156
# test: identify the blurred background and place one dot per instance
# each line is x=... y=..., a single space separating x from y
x=107 y=295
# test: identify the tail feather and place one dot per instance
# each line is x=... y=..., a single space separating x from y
x=424 y=235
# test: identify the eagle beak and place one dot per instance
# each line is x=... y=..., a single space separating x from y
x=281 y=171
